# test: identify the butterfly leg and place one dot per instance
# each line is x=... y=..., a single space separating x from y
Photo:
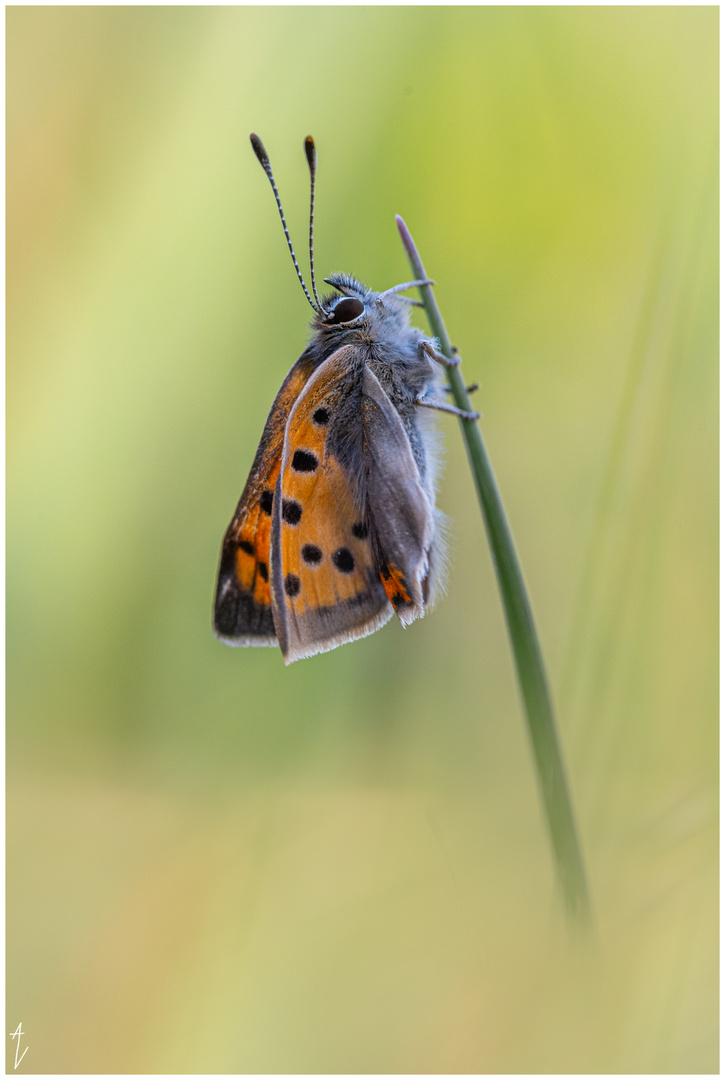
x=469 y=389
x=427 y=349
x=443 y=406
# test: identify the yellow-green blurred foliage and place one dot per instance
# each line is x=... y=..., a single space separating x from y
x=219 y=864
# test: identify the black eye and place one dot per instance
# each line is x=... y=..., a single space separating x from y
x=347 y=310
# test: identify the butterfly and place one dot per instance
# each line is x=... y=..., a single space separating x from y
x=337 y=527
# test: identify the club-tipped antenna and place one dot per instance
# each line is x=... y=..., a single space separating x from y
x=261 y=153
x=311 y=155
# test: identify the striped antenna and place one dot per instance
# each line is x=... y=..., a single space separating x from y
x=311 y=154
x=261 y=153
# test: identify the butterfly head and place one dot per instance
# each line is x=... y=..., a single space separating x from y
x=347 y=306
x=359 y=309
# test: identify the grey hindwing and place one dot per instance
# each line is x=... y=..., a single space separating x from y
x=399 y=507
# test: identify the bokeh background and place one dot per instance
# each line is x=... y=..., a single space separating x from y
x=216 y=864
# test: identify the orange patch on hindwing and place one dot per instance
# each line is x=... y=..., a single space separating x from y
x=395 y=585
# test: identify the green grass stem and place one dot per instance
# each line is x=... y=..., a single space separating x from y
x=528 y=659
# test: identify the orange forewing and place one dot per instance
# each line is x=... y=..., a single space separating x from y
x=325 y=584
x=243 y=609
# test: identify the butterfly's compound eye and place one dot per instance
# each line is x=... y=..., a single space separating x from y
x=347 y=310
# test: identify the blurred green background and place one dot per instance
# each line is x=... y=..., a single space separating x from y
x=216 y=864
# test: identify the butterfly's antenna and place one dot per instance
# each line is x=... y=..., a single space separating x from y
x=312 y=163
x=261 y=153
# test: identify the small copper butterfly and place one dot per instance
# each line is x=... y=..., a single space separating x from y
x=337 y=527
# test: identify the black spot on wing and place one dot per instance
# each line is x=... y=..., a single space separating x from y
x=321 y=416
x=311 y=554
x=304 y=461
x=265 y=503
x=292 y=585
x=291 y=511
x=246 y=547
x=360 y=530
x=344 y=560
x=263 y=571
